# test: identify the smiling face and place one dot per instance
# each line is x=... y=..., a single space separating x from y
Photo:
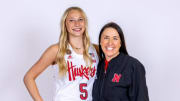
x=110 y=43
x=75 y=23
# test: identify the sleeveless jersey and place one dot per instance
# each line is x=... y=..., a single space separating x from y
x=77 y=84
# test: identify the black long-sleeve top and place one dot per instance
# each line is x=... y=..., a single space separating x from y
x=124 y=80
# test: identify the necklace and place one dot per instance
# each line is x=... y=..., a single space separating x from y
x=77 y=48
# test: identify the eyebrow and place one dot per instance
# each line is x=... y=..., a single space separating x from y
x=110 y=36
x=75 y=18
x=116 y=36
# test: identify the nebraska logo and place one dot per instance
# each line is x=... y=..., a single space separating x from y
x=116 y=77
x=81 y=71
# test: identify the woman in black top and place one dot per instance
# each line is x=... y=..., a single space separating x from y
x=120 y=77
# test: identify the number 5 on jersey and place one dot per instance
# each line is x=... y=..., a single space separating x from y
x=84 y=92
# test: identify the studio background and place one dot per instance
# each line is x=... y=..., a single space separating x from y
x=151 y=28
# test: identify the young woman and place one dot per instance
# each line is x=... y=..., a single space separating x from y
x=120 y=77
x=74 y=59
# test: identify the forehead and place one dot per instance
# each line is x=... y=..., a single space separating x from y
x=110 y=32
x=75 y=14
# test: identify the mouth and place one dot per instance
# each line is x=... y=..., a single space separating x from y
x=109 y=48
x=77 y=29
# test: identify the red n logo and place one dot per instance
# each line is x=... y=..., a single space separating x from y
x=116 y=77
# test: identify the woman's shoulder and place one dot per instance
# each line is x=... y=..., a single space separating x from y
x=132 y=60
x=52 y=51
x=135 y=63
x=53 y=47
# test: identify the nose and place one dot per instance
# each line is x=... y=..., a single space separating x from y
x=110 y=42
x=76 y=23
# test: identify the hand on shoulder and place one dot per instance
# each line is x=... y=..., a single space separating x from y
x=97 y=49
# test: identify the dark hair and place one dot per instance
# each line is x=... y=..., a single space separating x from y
x=121 y=35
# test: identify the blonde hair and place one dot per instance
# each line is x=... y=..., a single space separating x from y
x=63 y=42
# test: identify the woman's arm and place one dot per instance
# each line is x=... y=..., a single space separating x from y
x=46 y=59
x=138 y=91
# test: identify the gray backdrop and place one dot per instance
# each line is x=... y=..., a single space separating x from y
x=151 y=28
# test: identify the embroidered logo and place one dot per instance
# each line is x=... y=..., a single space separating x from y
x=116 y=77
x=69 y=57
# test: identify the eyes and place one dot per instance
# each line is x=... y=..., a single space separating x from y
x=76 y=20
x=114 y=37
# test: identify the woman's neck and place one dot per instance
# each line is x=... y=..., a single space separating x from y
x=110 y=58
x=77 y=44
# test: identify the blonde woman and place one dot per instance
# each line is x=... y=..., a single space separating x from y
x=74 y=60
